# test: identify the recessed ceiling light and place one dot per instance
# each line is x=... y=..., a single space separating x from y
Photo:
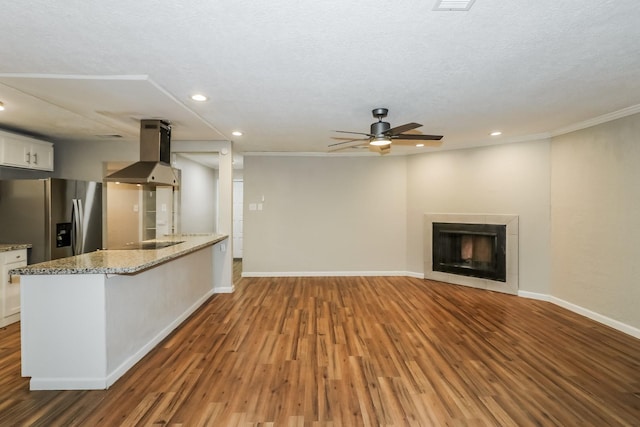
x=496 y=133
x=419 y=145
x=199 y=97
x=236 y=133
x=1 y=106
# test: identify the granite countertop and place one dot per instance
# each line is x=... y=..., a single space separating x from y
x=4 y=247
x=122 y=261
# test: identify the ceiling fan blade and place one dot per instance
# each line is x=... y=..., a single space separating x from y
x=356 y=133
x=337 y=138
x=402 y=128
x=418 y=137
x=348 y=144
x=357 y=141
x=427 y=143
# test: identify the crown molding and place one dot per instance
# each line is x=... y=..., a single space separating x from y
x=597 y=120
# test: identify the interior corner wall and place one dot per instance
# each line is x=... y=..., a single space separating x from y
x=84 y=160
x=324 y=214
x=595 y=236
x=501 y=179
x=198 y=196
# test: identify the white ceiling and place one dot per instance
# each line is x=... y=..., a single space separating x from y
x=287 y=73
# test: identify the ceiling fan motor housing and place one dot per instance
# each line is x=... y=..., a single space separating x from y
x=379 y=128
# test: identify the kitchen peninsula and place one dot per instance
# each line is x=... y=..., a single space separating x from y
x=88 y=319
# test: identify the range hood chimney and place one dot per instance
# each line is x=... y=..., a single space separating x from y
x=154 y=167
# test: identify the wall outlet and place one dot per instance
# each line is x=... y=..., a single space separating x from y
x=223 y=247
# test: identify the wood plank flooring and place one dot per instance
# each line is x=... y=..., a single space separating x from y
x=351 y=351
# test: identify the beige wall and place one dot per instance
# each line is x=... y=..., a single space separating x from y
x=198 y=196
x=324 y=214
x=123 y=219
x=595 y=199
x=501 y=179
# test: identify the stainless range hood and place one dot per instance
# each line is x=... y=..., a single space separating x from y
x=154 y=167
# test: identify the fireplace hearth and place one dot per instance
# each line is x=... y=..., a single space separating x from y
x=476 y=250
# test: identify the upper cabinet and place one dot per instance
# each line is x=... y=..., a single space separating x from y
x=23 y=152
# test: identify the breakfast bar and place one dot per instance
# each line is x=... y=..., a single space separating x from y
x=88 y=319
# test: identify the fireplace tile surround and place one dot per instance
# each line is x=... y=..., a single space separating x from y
x=511 y=223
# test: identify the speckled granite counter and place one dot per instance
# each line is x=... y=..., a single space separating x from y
x=4 y=247
x=122 y=261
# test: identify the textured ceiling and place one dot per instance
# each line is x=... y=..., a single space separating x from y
x=286 y=73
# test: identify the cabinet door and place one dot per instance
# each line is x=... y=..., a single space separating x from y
x=41 y=156
x=11 y=283
x=14 y=152
x=11 y=300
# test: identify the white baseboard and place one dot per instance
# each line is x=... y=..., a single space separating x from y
x=67 y=384
x=415 y=275
x=322 y=273
x=534 y=295
x=224 y=290
x=615 y=324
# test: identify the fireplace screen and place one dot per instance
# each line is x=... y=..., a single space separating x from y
x=476 y=250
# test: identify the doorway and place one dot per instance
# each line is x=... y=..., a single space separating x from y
x=238 y=186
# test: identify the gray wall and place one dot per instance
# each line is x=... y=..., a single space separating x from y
x=324 y=214
x=595 y=200
x=84 y=160
x=350 y=214
x=198 y=196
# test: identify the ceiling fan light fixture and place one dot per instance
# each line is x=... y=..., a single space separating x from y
x=380 y=140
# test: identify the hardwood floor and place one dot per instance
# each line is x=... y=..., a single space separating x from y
x=349 y=351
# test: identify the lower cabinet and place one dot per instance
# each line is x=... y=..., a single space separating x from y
x=10 y=286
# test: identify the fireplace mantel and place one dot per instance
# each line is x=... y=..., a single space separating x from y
x=511 y=223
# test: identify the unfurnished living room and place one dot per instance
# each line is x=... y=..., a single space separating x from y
x=384 y=213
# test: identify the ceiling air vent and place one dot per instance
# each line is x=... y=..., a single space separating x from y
x=449 y=5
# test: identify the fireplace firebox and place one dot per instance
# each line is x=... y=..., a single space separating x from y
x=475 y=250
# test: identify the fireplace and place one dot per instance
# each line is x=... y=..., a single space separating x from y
x=475 y=250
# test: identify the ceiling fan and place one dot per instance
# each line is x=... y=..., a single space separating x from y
x=382 y=135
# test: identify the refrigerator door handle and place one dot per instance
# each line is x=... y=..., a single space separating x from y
x=73 y=226
x=76 y=227
x=81 y=228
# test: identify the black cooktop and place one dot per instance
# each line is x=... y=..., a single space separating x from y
x=148 y=245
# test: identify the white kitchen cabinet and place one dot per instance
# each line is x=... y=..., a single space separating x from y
x=10 y=286
x=23 y=152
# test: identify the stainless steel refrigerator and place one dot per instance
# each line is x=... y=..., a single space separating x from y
x=59 y=217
